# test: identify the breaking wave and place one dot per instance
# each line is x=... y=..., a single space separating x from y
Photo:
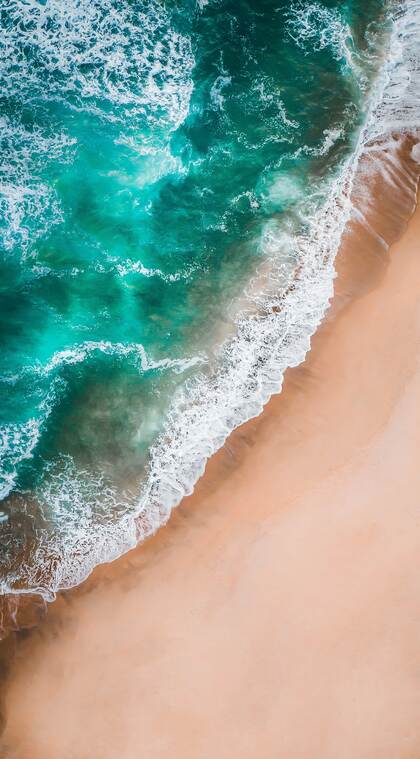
x=281 y=309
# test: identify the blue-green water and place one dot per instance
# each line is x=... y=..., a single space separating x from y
x=154 y=157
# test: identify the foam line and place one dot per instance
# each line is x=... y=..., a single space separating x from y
x=273 y=333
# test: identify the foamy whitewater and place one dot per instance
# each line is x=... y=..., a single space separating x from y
x=172 y=206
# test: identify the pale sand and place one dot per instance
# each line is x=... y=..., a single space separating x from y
x=278 y=615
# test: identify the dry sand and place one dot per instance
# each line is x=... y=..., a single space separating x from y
x=278 y=614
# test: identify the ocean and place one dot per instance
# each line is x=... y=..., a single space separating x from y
x=175 y=180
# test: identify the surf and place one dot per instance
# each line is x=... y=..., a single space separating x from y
x=198 y=275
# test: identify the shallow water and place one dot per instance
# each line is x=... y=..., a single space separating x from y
x=155 y=159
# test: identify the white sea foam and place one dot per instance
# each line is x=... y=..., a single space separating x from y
x=415 y=152
x=273 y=334
x=77 y=354
x=252 y=365
x=17 y=442
x=28 y=206
x=121 y=62
x=216 y=93
x=313 y=26
x=136 y=351
x=266 y=99
x=136 y=267
x=330 y=138
x=98 y=51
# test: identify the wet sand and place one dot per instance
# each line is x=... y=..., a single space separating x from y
x=277 y=616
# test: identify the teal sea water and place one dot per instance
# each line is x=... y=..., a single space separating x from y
x=172 y=192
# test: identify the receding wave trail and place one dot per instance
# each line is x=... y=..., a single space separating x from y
x=271 y=329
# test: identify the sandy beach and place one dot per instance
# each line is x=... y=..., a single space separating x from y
x=277 y=616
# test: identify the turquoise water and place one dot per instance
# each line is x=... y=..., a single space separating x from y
x=155 y=158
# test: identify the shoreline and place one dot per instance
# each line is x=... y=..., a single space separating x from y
x=275 y=614
x=205 y=412
x=273 y=334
